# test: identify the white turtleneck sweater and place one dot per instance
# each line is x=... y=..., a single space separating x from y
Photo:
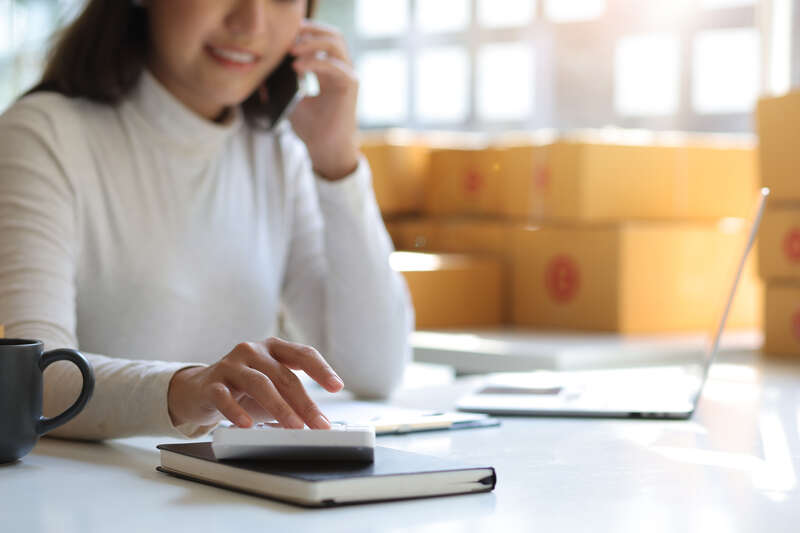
x=148 y=237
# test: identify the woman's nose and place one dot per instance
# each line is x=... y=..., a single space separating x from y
x=248 y=17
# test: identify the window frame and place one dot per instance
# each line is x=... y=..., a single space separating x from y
x=562 y=66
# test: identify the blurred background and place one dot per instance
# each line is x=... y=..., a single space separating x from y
x=695 y=65
x=579 y=165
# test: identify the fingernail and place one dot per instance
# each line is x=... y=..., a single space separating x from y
x=296 y=423
x=243 y=421
x=335 y=381
x=322 y=422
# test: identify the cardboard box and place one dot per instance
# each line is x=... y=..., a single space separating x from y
x=453 y=235
x=779 y=243
x=778 y=126
x=782 y=320
x=399 y=166
x=414 y=234
x=464 y=181
x=630 y=278
x=593 y=180
x=451 y=290
x=489 y=238
x=475 y=236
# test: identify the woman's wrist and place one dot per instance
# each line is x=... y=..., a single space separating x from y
x=336 y=164
x=176 y=393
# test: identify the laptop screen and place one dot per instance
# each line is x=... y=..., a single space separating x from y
x=748 y=235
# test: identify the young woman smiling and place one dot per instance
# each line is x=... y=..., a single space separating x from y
x=148 y=218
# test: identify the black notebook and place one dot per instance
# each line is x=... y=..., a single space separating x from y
x=394 y=475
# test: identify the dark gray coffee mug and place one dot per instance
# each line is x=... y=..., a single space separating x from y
x=22 y=363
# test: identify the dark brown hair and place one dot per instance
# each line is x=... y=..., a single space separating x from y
x=101 y=55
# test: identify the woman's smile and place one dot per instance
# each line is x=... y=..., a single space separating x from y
x=233 y=58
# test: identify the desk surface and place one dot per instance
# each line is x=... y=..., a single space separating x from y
x=733 y=467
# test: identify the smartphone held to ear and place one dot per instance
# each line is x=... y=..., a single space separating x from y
x=285 y=89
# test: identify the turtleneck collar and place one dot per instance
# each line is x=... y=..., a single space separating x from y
x=175 y=122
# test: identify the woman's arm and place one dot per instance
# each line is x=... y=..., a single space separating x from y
x=41 y=169
x=39 y=254
x=340 y=292
x=339 y=288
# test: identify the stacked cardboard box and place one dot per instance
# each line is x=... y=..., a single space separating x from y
x=634 y=277
x=627 y=233
x=779 y=239
x=621 y=177
x=452 y=290
x=466 y=287
x=399 y=163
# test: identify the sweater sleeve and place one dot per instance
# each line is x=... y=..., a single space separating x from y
x=340 y=292
x=39 y=253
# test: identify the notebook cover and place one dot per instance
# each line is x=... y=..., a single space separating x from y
x=388 y=462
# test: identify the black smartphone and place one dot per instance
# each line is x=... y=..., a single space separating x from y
x=284 y=90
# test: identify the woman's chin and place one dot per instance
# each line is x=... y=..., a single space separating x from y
x=235 y=99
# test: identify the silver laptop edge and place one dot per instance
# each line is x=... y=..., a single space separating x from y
x=751 y=238
x=506 y=405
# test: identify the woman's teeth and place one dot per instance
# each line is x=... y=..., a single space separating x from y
x=233 y=55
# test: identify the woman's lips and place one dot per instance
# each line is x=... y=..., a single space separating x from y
x=233 y=57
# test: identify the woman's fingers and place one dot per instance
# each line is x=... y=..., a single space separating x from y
x=255 y=410
x=290 y=387
x=307 y=359
x=331 y=46
x=315 y=28
x=261 y=371
x=259 y=387
x=224 y=402
x=325 y=65
x=292 y=391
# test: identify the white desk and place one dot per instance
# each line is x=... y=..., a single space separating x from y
x=734 y=467
x=511 y=349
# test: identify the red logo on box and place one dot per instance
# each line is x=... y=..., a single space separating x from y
x=473 y=182
x=541 y=177
x=791 y=245
x=562 y=278
x=796 y=324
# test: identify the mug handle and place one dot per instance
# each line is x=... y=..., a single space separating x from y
x=65 y=354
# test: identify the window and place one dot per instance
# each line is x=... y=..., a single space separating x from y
x=24 y=30
x=725 y=71
x=381 y=19
x=383 y=76
x=505 y=82
x=442 y=85
x=505 y=13
x=26 y=27
x=500 y=64
x=721 y=4
x=647 y=75
x=574 y=10
x=573 y=63
x=439 y=16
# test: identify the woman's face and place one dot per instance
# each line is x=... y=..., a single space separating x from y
x=212 y=54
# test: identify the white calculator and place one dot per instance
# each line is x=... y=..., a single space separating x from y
x=270 y=442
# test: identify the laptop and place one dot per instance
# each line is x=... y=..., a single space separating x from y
x=649 y=392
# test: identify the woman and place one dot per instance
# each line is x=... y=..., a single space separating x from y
x=148 y=218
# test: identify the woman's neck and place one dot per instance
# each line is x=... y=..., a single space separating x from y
x=189 y=98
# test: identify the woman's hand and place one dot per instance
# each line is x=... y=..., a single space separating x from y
x=253 y=381
x=327 y=123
